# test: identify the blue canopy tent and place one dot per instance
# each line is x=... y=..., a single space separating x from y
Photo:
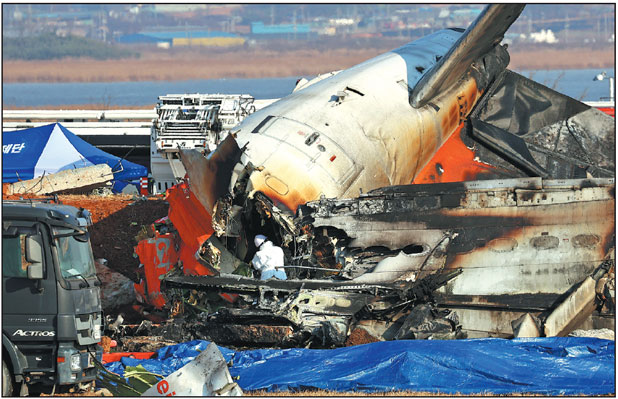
x=31 y=153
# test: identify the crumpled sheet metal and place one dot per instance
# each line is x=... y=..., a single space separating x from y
x=210 y=176
x=191 y=220
x=541 y=131
x=545 y=366
x=194 y=226
x=206 y=375
x=158 y=256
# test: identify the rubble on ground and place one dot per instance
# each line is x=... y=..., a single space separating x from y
x=116 y=289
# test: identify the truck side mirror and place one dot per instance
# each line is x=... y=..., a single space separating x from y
x=82 y=237
x=34 y=256
x=35 y=271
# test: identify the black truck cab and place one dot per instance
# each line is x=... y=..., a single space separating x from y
x=51 y=304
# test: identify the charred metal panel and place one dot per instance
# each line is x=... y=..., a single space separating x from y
x=520 y=106
x=577 y=307
x=244 y=284
x=327 y=302
x=480 y=323
x=424 y=322
x=533 y=221
x=586 y=240
x=546 y=197
x=512 y=147
x=210 y=177
x=318 y=313
x=533 y=302
x=541 y=131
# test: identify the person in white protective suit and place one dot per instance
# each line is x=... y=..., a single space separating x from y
x=267 y=258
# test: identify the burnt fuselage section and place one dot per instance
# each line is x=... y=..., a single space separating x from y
x=521 y=243
x=499 y=249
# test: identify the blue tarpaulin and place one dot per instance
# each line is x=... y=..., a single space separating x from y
x=546 y=366
x=31 y=153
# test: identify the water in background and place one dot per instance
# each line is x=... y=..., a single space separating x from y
x=137 y=93
x=576 y=83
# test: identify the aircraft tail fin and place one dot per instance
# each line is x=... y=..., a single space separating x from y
x=485 y=33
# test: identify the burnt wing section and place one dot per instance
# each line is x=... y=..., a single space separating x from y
x=541 y=132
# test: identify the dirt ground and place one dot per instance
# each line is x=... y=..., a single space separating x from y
x=117 y=220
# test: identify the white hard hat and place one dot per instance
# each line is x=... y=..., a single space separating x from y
x=259 y=240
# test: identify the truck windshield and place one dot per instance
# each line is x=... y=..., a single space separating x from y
x=75 y=257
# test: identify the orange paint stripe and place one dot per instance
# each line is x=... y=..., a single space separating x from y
x=453 y=162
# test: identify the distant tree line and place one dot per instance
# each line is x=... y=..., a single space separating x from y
x=49 y=46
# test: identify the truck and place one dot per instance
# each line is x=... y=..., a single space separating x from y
x=51 y=307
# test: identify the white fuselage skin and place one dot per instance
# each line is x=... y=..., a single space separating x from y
x=354 y=131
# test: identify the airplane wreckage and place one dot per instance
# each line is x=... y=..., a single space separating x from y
x=507 y=230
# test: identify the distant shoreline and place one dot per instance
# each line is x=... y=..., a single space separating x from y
x=184 y=65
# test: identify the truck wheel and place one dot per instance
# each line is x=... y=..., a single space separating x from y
x=7 y=380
